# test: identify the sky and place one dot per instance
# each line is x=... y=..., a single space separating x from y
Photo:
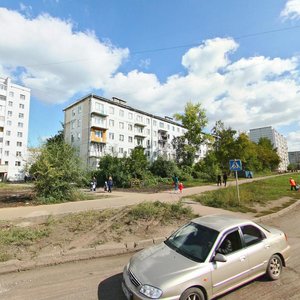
x=239 y=59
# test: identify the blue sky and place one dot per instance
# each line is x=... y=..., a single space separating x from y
x=239 y=59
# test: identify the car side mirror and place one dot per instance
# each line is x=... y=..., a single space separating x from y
x=220 y=257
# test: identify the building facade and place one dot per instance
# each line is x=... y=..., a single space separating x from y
x=278 y=141
x=98 y=126
x=14 y=120
x=294 y=158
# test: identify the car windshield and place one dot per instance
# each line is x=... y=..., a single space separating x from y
x=193 y=241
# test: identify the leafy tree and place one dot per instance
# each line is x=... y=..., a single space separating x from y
x=57 y=171
x=194 y=120
x=138 y=163
x=267 y=155
x=163 y=168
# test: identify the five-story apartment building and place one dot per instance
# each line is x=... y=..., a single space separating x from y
x=99 y=126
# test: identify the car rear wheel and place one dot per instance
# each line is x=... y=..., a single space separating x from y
x=192 y=294
x=274 y=267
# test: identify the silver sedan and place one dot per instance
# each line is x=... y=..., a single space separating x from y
x=205 y=258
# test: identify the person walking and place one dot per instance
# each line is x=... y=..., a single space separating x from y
x=293 y=184
x=219 y=181
x=175 y=182
x=180 y=186
x=225 y=178
x=94 y=184
x=109 y=184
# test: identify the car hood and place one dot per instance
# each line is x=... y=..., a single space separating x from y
x=160 y=264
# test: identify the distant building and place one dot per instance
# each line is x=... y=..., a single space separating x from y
x=294 y=158
x=278 y=141
x=14 y=119
x=98 y=126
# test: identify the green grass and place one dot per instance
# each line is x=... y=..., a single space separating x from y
x=257 y=192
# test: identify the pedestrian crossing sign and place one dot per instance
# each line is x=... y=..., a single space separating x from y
x=235 y=165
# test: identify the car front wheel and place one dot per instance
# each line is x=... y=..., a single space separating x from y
x=274 y=267
x=192 y=294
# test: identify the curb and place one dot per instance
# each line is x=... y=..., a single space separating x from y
x=102 y=250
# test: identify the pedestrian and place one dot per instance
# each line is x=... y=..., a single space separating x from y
x=94 y=184
x=219 y=181
x=180 y=186
x=109 y=184
x=105 y=186
x=293 y=184
x=225 y=178
x=175 y=182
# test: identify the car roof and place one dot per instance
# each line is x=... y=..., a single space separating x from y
x=221 y=222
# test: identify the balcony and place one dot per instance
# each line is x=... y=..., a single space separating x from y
x=98 y=125
x=3 y=168
x=99 y=112
x=98 y=136
x=139 y=124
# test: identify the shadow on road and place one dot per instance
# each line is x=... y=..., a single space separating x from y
x=110 y=288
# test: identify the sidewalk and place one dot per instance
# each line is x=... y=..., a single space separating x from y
x=114 y=200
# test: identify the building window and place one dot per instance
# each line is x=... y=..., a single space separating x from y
x=121 y=137
x=21 y=115
x=2 y=98
x=111 y=110
x=130 y=139
x=20 y=124
x=78 y=136
x=130 y=127
x=148 y=131
x=99 y=133
x=21 y=106
x=18 y=153
x=130 y=116
x=2 y=87
x=10 y=103
x=17 y=163
x=111 y=136
x=9 y=113
x=73 y=124
x=154 y=123
x=8 y=132
x=79 y=109
x=22 y=97
x=121 y=113
x=99 y=107
x=139 y=118
x=7 y=143
x=148 y=121
x=111 y=123
x=121 y=125
x=11 y=94
x=161 y=124
x=78 y=123
x=155 y=133
x=72 y=138
x=6 y=153
x=6 y=163
x=9 y=122
x=20 y=134
x=121 y=150
x=19 y=144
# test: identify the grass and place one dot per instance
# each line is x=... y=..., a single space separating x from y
x=257 y=192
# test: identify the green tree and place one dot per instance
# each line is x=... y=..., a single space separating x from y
x=267 y=155
x=138 y=163
x=163 y=168
x=194 y=120
x=57 y=171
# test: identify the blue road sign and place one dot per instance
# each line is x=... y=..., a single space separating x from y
x=235 y=165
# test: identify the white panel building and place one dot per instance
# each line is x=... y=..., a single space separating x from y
x=98 y=126
x=278 y=141
x=14 y=120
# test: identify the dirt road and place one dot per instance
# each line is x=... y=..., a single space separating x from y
x=101 y=278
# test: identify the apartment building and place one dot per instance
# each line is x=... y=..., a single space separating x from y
x=278 y=141
x=294 y=158
x=98 y=126
x=14 y=120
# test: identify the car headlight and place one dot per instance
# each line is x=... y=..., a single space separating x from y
x=150 y=291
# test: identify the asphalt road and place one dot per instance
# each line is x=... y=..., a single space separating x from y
x=101 y=278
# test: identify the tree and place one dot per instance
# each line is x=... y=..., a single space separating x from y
x=57 y=171
x=194 y=120
x=267 y=155
x=163 y=167
x=138 y=163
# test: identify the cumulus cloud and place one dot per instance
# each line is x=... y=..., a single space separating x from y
x=57 y=62
x=52 y=59
x=294 y=140
x=291 y=10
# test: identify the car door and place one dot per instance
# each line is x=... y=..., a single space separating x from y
x=258 y=249
x=226 y=275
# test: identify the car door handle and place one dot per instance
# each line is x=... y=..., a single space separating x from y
x=242 y=258
x=267 y=246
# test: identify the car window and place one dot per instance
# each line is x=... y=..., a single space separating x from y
x=193 y=241
x=231 y=243
x=252 y=235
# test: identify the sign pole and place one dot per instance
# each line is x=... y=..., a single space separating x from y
x=237 y=186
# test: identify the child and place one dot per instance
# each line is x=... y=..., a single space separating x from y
x=180 y=186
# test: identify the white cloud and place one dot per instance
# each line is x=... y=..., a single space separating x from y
x=294 y=140
x=57 y=61
x=291 y=10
